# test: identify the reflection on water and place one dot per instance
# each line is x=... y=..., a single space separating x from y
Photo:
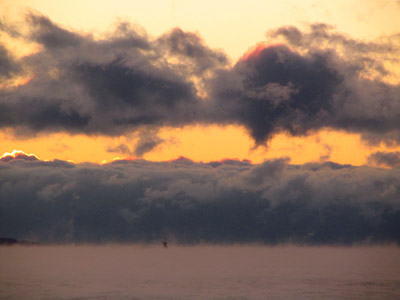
x=199 y=272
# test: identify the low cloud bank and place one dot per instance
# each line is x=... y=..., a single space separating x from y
x=188 y=202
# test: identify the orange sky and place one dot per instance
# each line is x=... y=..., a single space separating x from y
x=200 y=144
x=232 y=26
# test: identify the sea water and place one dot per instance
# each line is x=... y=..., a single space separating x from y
x=199 y=272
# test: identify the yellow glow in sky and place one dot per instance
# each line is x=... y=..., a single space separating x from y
x=233 y=26
x=205 y=144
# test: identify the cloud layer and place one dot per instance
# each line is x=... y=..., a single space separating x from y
x=188 y=202
x=312 y=80
x=123 y=81
x=295 y=82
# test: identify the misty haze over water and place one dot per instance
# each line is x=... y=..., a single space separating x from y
x=144 y=272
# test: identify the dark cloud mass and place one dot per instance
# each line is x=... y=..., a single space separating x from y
x=387 y=159
x=315 y=80
x=188 y=202
x=300 y=82
x=8 y=66
x=148 y=140
x=51 y=36
x=97 y=86
x=278 y=90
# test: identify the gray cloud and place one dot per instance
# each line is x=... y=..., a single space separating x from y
x=148 y=140
x=320 y=81
x=7 y=27
x=324 y=36
x=326 y=156
x=224 y=202
x=8 y=66
x=307 y=83
x=51 y=36
x=106 y=86
x=124 y=81
x=194 y=55
x=387 y=159
x=121 y=148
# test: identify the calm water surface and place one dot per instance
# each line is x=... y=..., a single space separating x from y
x=199 y=272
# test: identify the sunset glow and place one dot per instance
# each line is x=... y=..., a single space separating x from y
x=255 y=51
x=200 y=142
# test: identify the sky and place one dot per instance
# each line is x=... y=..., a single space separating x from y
x=178 y=106
x=231 y=29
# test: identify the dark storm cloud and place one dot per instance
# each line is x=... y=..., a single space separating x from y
x=8 y=66
x=128 y=201
x=318 y=80
x=124 y=80
x=278 y=90
x=387 y=159
x=108 y=85
x=50 y=35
